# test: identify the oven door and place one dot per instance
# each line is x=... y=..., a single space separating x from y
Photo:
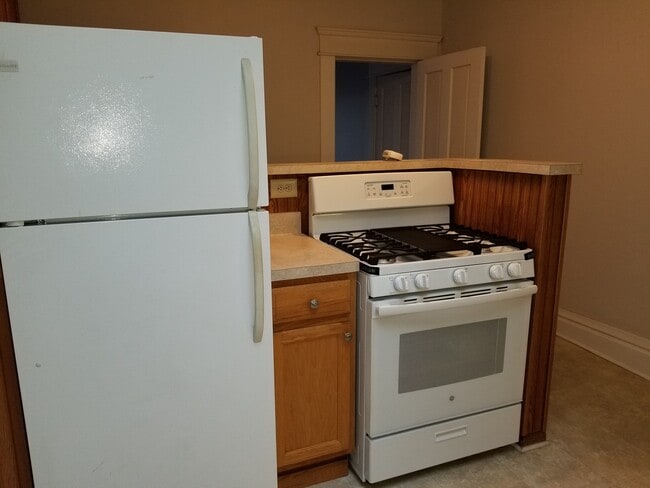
x=432 y=359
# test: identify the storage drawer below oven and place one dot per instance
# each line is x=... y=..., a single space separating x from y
x=409 y=451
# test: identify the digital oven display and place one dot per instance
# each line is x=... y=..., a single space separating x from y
x=388 y=189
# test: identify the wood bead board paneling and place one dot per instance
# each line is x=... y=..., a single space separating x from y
x=531 y=208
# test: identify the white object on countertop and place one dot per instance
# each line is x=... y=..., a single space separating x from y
x=394 y=155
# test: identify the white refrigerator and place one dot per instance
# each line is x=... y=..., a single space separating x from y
x=135 y=256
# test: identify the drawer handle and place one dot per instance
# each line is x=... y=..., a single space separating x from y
x=347 y=336
x=313 y=303
x=451 y=434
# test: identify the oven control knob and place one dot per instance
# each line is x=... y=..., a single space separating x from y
x=515 y=270
x=421 y=281
x=460 y=276
x=496 y=272
x=401 y=283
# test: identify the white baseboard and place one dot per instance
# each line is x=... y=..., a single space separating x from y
x=622 y=348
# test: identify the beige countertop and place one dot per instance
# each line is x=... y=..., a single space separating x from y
x=502 y=165
x=295 y=255
x=299 y=256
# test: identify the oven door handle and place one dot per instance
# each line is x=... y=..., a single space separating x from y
x=403 y=309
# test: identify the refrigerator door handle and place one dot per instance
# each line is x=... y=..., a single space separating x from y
x=258 y=275
x=253 y=133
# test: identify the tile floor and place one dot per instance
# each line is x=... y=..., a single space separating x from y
x=598 y=431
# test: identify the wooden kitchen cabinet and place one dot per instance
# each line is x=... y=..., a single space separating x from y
x=314 y=345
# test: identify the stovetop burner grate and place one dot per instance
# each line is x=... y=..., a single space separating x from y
x=378 y=246
x=468 y=235
x=372 y=247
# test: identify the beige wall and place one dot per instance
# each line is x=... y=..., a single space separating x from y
x=569 y=80
x=288 y=28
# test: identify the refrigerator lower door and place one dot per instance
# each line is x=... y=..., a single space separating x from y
x=135 y=352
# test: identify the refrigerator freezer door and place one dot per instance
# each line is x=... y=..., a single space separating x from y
x=135 y=352
x=99 y=122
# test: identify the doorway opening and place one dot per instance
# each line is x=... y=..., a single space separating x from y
x=372 y=109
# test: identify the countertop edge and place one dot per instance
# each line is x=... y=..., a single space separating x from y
x=544 y=168
x=313 y=271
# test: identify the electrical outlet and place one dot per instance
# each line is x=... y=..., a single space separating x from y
x=284 y=188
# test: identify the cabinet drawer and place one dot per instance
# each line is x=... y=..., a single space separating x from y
x=311 y=301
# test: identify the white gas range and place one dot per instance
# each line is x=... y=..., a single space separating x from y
x=442 y=320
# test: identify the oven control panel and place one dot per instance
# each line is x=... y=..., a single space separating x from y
x=445 y=278
x=388 y=189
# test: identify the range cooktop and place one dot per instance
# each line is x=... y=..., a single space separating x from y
x=418 y=243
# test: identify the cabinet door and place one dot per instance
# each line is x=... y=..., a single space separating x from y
x=313 y=385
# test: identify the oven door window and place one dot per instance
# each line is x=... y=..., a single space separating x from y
x=438 y=357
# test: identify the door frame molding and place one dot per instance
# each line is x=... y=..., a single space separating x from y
x=361 y=45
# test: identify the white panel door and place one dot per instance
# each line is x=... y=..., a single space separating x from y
x=447 y=105
x=135 y=353
x=102 y=122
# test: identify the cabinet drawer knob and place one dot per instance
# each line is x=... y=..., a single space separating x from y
x=347 y=336
x=313 y=303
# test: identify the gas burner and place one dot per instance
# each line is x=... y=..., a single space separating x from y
x=499 y=249
x=454 y=254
